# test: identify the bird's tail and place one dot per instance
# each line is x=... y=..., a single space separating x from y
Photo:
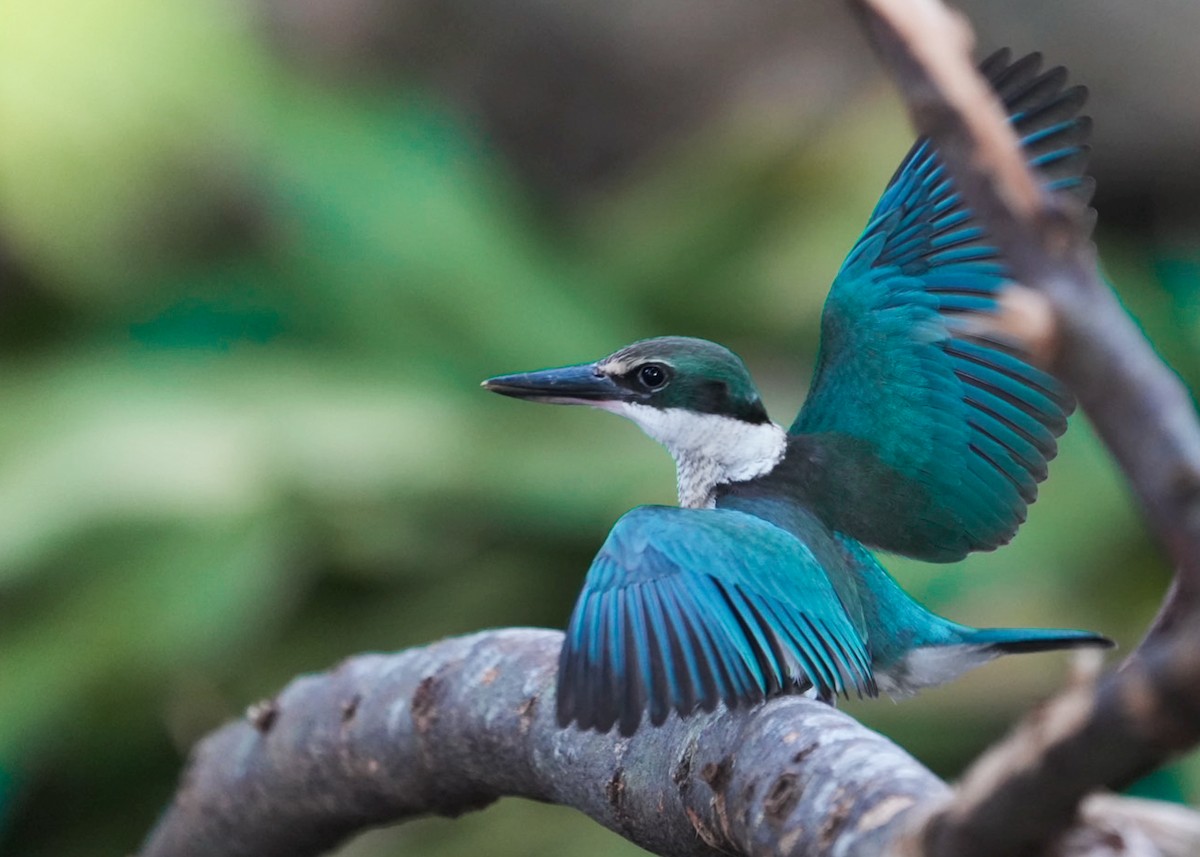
x=922 y=649
x=949 y=650
x=1012 y=641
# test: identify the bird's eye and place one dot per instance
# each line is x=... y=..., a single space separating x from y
x=652 y=376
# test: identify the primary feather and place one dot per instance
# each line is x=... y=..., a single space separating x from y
x=934 y=437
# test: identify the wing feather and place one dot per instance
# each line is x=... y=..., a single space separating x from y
x=683 y=608
x=934 y=427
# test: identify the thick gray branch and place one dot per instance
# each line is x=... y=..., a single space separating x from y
x=453 y=726
x=1134 y=719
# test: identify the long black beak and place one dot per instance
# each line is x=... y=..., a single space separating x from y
x=570 y=385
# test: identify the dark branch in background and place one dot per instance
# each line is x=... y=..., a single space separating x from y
x=455 y=725
x=1132 y=720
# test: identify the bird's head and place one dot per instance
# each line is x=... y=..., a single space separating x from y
x=693 y=396
x=670 y=373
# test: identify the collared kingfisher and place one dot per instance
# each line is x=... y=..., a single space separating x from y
x=925 y=432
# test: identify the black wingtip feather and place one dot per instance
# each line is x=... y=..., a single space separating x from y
x=630 y=699
x=994 y=62
x=1011 y=78
x=1083 y=641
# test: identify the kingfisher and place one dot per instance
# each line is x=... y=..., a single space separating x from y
x=925 y=432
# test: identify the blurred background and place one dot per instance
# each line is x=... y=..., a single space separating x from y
x=255 y=259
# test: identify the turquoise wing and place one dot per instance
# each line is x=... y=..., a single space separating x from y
x=926 y=434
x=683 y=608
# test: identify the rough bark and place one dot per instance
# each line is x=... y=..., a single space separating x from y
x=453 y=726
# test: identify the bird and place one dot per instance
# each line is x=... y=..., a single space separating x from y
x=925 y=432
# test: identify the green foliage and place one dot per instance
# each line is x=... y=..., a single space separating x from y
x=242 y=433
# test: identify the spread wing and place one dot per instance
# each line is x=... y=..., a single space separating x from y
x=685 y=607
x=932 y=434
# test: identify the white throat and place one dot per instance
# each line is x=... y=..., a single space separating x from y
x=709 y=449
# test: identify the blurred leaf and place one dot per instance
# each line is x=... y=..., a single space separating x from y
x=405 y=241
x=122 y=123
x=141 y=604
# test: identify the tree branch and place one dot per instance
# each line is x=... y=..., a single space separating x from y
x=453 y=726
x=1134 y=719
